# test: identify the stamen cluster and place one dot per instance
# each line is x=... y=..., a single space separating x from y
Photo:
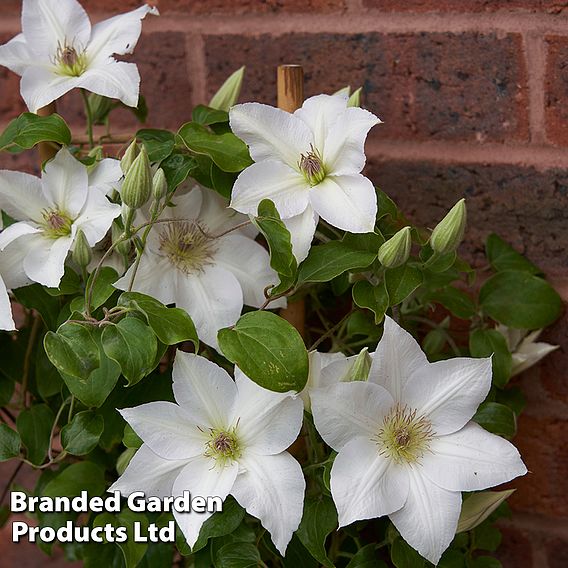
x=56 y=223
x=311 y=165
x=223 y=446
x=69 y=61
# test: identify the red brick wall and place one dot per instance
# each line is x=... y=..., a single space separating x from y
x=474 y=98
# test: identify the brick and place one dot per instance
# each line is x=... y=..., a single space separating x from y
x=549 y=6
x=206 y=7
x=428 y=86
x=523 y=205
x=556 y=90
x=114 y=7
x=557 y=552
x=27 y=161
x=515 y=549
x=165 y=83
x=553 y=367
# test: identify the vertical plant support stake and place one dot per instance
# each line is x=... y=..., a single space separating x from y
x=45 y=149
x=290 y=87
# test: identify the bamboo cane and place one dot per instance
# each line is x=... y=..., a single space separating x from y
x=290 y=88
x=46 y=150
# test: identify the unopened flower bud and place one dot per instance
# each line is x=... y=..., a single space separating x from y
x=159 y=185
x=82 y=253
x=117 y=232
x=396 y=250
x=137 y=185
x=355 y=98
x=97 y=153
x=100 y=107
x=359 y=371
x=449 y=232
x=229 y=92
x=129 y=156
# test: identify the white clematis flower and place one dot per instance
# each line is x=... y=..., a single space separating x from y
x=407 y=445
x=51 y=211
x=308 y=163
x=58 y=50
x=210 y=278
x=526 y=351
x=222 y=437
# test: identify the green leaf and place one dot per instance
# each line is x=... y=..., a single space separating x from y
x=221 y=523
x=374 y=298
x=457 y=301
x=9 y=443
x=404 y=556
x=209 y=175
x=366 y=558
x=268 y=350
x=132 y=344
x=487 y=342
x=176 y=169
x=520 y=299
x=226 y=150
x=485 y=562
x=205 y=115
x=278 y=237
x=82 y=434
x=81 y=476
x=318 y=521
x=36 y=297
x=401 y=282
x=103 y=288
x=503 y=256
x=329 y=260
x=497 y=418
x=487 y=537
x=34 y=426
x=171 y=325
x=29 y=129
x=238 y=555
x=132 y=551
x=130 y=438
x=386 y=206
x=159 y=143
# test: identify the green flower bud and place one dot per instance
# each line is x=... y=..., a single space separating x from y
x=344 y=91
x=159 y=185
x=359 y=371
x=229 y=92
x=116 y=234
x=82 y=253
x=449 y=232
x=396 y=250
x=137 y=185
x=129 y=156
x=100 y=107
x=355 y=98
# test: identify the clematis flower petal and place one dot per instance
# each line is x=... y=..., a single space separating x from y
x=49 y=24
x=271 y=133
x=15 y=231
x=214 y=212
x=345 y=143
x=213 y=298
x=106 y=175
x=6 y=319
x=21 y=196
x=204 y=390
x=449 y=392
x=45 y=260
x=429 y=518
x=117 y=35
x=271 y=488
x=115 y=79
x=273 y=180
x=302 y=228
x=397 y=357
x=202 y=478
x=320 y=114
x=269 y=422
x=150 y=473
x=40 y=86
x=167 y=429
x=12 y=264
x=65 y=183
x=348 y=202
x=366 y=484
x=249 y=262
x=16 y=54
x=349 y=410
x=317 y=362
x=97 y=217
x=471 y=459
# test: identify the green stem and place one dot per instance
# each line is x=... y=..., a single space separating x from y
x=27 y=359
x=89 y=114
x=52 y=433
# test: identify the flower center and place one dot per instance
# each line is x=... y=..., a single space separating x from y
x=56 y=223
x=404 y=436
x=223 y=446
x=311 y=165
x=69 y=61
x=187 y=246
